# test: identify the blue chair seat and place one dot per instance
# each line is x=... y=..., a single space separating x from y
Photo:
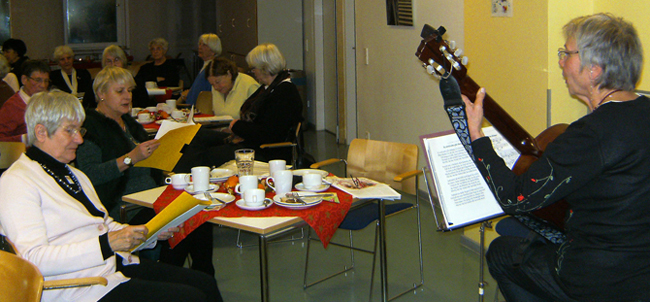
x=360 y=218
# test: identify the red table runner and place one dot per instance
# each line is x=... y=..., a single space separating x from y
x=324 y=218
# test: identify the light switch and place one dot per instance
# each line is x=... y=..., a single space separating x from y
x=502 y=8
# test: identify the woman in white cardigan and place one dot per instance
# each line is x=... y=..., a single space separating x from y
x=51 y=212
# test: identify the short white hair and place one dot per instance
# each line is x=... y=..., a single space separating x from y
x=212 y=41
x=266 y=58
x=50 y=109
x=61 y=51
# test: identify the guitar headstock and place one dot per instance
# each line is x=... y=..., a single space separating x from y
x=440 y=58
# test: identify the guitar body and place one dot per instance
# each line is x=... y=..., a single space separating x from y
x=555 y=213
x=440 y=60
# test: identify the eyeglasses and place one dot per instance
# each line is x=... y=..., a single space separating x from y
x=40 y=80
x=563 y=53
x=72 y=131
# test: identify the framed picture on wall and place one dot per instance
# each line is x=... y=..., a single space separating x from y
x=5 y=24
x=95 y=24
x=399 y=12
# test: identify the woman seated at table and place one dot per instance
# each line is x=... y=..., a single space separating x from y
x=162 y=71
x=209 y=48
x=267 y=116
x=6 y=91
x=114 y=56
x=68 y=79
x=230 y=88
x=52 y=214
x=114 y=143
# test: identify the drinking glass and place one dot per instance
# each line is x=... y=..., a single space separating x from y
x=245 y=159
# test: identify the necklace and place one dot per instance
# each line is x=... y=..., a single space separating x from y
x=70 y=179
x=606 y=96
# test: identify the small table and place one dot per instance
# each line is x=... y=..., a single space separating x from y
x=265 y=227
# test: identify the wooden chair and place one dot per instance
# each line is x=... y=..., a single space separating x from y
x=388 y=162
x=23 y=282
x=9 y=153
x=204 y=102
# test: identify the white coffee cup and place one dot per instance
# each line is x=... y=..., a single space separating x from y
x=254 y=197
x=281 y=182
x=277 y=165
x=153 y=109
x=178 y=181
x=135 y=111
x=178 y=114
x=246 y=182
x=151 y=84
x=200 y=178
x=144 y=117
x=171 y=103
x=312 y=180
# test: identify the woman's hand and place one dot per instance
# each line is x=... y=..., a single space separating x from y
x=474 y=113
x=144 y=150
x=127 y=238
x=169 y=234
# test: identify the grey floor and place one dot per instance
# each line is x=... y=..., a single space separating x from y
x=451 y=271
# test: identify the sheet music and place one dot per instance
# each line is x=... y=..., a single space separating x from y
x=463 y=195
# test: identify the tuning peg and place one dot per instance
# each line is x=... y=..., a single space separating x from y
x=430 y=69
x=458 y=53
x=464 y=60
x=452 y=44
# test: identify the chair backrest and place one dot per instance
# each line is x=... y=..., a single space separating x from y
x=10 y=152
x=382 y=161
x=21 y=280
x=204 y=102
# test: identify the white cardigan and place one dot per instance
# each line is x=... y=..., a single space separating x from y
x=55 y=231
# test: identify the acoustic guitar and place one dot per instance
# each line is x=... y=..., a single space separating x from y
x=442 y=61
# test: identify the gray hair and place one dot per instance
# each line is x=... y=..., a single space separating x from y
x=4 y=67
x=111 y=75
x=610 y=43
x=61 y=51
x=114 y=51
x=266 y=58
x=160 y=42
x=51 y=109
x=213 y=42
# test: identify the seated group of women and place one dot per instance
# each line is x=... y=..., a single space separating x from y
x=71 y=231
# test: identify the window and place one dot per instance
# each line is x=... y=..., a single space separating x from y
x=5 y=24
x=95 y=24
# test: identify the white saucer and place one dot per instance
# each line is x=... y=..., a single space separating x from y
x=211 y=188
x=301 y=172
x=242 y=205
x=144 y=123
x=221 y=174
x=295 y=206
x=227 y=198
x=321 y=188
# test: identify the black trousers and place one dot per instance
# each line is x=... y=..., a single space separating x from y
x=198 y=245
x=159 y=282
x=524 y=270
x=206 y=149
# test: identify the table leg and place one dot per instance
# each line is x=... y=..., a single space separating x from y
x=264 y=265
x=383 y=263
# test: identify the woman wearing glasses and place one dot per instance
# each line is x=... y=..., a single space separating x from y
x=600 y=166
x=52 y=214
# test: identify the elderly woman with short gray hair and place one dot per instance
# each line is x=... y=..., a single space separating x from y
x=52 y=214
x=162 y=71
x=71 y=80
x=209 y=48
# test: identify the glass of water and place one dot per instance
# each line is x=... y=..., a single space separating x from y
x=245 y=159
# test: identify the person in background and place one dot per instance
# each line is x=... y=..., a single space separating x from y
x=114 y=56
x=14 y=50
x=600 y=165
x=52 y=214
x=230 y=88
x=209 y=48
x=77 y=82
x=6 y=91
x=10 y=78
x=266 y=117
x=162 y=71
x=36 y=78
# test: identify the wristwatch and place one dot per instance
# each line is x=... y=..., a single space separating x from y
x=128 y=161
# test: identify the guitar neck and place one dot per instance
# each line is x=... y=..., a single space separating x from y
x=501 y=120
